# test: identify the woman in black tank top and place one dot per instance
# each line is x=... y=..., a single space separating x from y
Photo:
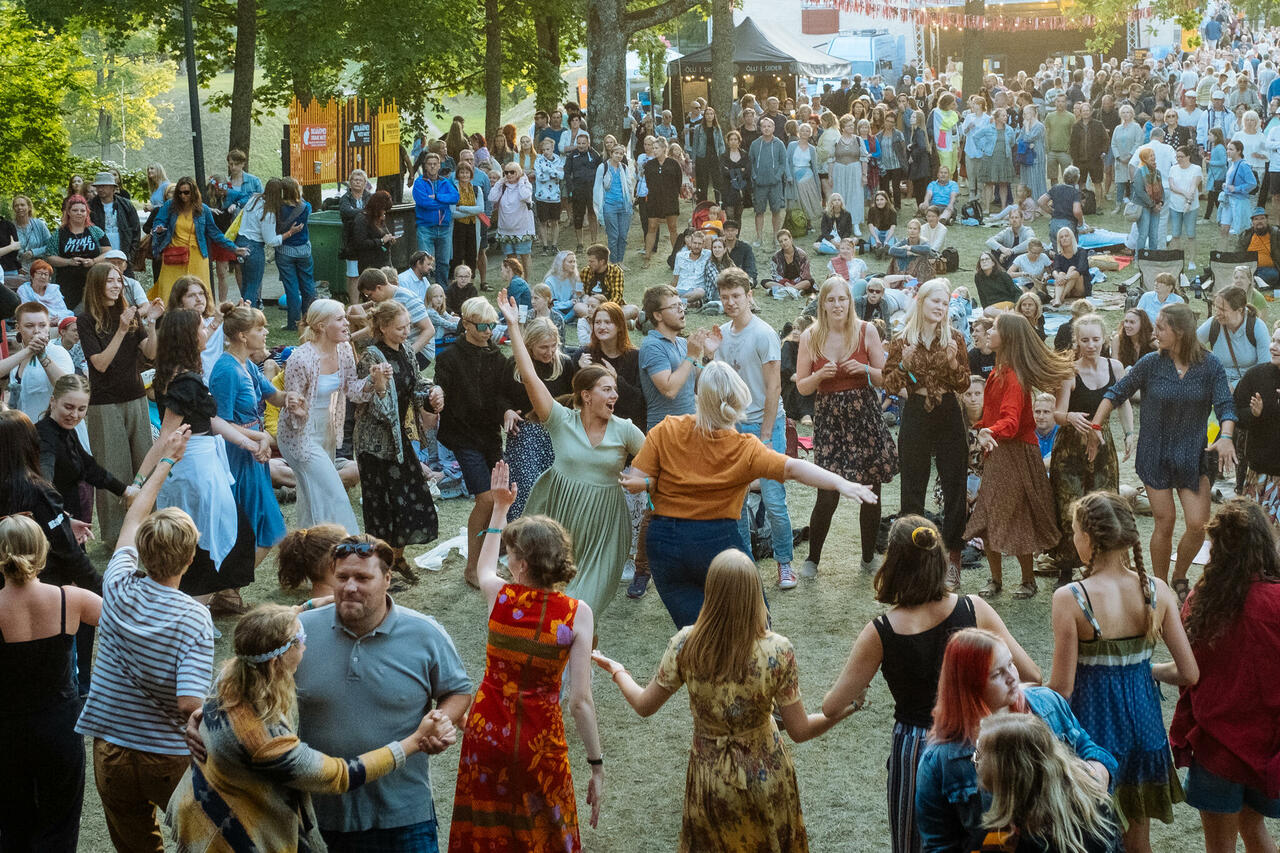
x=42 y=774
x=906 y=645
x=1071 y=472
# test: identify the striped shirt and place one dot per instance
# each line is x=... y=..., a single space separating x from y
x=155 y=644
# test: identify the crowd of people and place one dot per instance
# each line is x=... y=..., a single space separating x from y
x=656 y=451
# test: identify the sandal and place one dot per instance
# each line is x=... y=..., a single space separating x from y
x=991 y=590
x=1183 y=588
x=1026 y=590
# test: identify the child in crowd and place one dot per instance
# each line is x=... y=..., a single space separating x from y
x=461 y=288
x=444 y=321
x=594 y=301
x=541 y=301
x=1021 y=201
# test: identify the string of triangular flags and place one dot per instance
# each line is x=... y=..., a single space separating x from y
x=936 y=16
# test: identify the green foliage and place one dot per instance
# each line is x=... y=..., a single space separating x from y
x=35 y=75
x=119 y=80
x=1113 y=17
x=651 y=46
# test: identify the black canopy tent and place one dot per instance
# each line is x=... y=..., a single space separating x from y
x=763 y=65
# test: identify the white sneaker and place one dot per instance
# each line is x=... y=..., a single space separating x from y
x=808 y=569
x=628 y=571
x=786 y=576
x=873 y=564
x=857 y=231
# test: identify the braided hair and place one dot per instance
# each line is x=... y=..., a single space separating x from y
x=1107 y=519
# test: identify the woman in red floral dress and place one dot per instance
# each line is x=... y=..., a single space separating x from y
x=514 y=789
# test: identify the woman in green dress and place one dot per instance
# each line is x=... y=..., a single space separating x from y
x=580 y=489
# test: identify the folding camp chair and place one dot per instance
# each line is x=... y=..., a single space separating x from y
x=1151 y=263
x=1222 y=266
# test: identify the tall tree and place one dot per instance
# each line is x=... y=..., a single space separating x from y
x=113 y=108
x=971 y=49
x=37 y=75
x=242 y=74
x=610 y=25
x=492 y=69
x=722 y=48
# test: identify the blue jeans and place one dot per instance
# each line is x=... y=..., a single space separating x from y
x=1148 y=230
x=438 y=240
x=298 y=281
x=617 y=221
x=680 y=552
x=414 y=838
x=255 y=264
x=773 y=493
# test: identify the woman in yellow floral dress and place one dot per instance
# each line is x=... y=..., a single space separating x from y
x=740 y=788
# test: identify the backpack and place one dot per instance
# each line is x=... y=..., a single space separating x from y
x=1088 y=202
x=1024 y=154
x=797 y=222
x=972 y=210
x=1215 y=329
x=951 y=257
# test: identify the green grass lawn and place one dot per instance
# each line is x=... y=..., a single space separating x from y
x=842 y=774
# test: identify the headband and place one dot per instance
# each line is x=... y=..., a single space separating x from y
x=300 y=637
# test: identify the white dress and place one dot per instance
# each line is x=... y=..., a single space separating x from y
x=321 y=495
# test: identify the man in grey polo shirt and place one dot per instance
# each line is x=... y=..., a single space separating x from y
x=371 y=666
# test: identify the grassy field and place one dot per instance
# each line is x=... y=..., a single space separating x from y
x=842 y=775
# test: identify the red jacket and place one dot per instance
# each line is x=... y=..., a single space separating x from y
x=1006 y=408
x=1229 y=722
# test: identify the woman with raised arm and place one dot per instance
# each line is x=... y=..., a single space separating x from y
x=1180 y=385
x=1071 y=472
x=740 y=786
x=696 y=469
x=580 y=489
x=515 y=791
x=905 y=645
x=1105 y=629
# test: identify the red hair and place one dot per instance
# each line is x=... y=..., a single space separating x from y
x=614 y=310
x=966 y=667
x=72 y=200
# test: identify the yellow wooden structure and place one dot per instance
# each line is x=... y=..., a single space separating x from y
x=328 y=140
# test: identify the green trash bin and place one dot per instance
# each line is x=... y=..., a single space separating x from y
x=325 y=228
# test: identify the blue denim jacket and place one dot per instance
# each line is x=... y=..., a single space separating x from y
x=949 y=804
x=206 y=230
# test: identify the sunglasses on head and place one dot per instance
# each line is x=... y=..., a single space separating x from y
x=360 y=549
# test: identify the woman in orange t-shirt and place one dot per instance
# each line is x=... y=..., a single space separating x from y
x=696 y=469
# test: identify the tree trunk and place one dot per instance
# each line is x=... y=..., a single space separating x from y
x=547 y=31
x=606 y=68
x=242 y=74
x=722 y=48
x=971 y=51
x=492 y=69
x=609 y=27
x=104 y=114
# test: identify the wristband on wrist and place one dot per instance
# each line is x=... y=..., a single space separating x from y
x=170 y=461
x=310 y=604
x=693 y=361
x=488 y=530
x=139 y=480
x=596 y=762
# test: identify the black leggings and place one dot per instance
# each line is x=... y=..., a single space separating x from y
x=893 y=179
x=922 y=436
x=706 y=174
x=918 y=189
x=820 y=523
